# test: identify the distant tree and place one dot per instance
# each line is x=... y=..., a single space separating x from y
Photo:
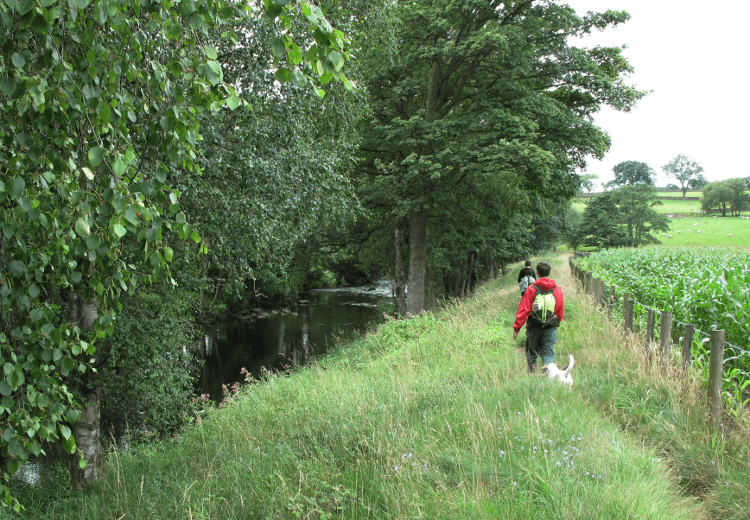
x=587 y=186
x=672 y=187
x=631 y=173
x=683 y=169
x=740 y=199
x=747 y=182
x=729 y=194
x=636 y=204
x=574 y=222
x=698 y=183
x=602 y=223
x=716 y=195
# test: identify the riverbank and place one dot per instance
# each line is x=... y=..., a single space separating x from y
x=436 y=418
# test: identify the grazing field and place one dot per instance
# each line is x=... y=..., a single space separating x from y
x=679 y=207
x=707 y=231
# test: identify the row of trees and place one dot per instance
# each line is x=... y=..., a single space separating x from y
x=625 y=215
x=481 y=113
x=686 y=171
x=162 y=161
x=730 y=194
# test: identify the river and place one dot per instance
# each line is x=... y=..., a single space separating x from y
x=288 y=337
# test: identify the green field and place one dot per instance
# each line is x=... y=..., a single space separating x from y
x=714 y=231
x=679 y=207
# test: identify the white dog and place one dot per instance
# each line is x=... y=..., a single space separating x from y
x=554 y=372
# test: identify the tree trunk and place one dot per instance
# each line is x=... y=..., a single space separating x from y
x=417 y=260
x=86 y=431
x=400 y=274
x=429 y=291
x=466 y=282
x=87 y=434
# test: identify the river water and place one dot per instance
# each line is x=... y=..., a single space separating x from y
x=288 y=337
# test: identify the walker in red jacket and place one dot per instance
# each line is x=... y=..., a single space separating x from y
x=540 y=337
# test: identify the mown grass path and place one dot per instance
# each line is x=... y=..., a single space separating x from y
x=436 y=418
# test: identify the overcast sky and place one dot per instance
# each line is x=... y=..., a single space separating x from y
x=694 y=57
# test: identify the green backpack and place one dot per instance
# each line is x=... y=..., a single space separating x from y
x=543 y=309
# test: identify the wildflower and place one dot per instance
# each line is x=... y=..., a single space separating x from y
x=502 y=453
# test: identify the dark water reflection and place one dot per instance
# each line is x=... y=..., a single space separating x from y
x=288 y=337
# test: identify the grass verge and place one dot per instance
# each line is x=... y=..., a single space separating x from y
x=435 y=417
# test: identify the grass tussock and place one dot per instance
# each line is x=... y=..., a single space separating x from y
x=436 y=418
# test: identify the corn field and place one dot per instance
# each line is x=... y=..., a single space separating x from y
x=707 y=287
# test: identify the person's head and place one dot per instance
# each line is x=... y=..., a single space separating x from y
x=528 y=263
x=543 y=269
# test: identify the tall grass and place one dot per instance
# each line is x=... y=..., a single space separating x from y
x=436 y=418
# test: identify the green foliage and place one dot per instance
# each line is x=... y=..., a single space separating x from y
x=602 y=223
x=273 y=170
x=728 y=194
x=636 y=204
x=623 y=217
x=87 y=136
x=148 y=372
x=631 y=173
x=101 y=104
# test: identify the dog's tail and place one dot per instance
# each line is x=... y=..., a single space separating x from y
x=570 y=365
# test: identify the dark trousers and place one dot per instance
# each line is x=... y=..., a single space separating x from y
x=540 y=343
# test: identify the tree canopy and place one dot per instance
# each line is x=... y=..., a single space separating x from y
x=684 y=169
x=728 y=194
x=487 y=110
x=631 y=173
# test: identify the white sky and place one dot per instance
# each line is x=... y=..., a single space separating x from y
x=694 y=57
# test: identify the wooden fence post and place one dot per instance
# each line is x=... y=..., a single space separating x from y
x=589 y=283
x=687 y=346
x=715 y=377
x=628 y=307
x=611 y=300
x=650 y=325
x=599 y=292
x=665 y=334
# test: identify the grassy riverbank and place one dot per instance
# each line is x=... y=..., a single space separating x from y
x=436 y=418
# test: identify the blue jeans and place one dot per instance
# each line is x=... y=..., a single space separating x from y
x=540 y=343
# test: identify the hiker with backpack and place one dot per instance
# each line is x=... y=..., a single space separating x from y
x=542 y=309
x=526 y=277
